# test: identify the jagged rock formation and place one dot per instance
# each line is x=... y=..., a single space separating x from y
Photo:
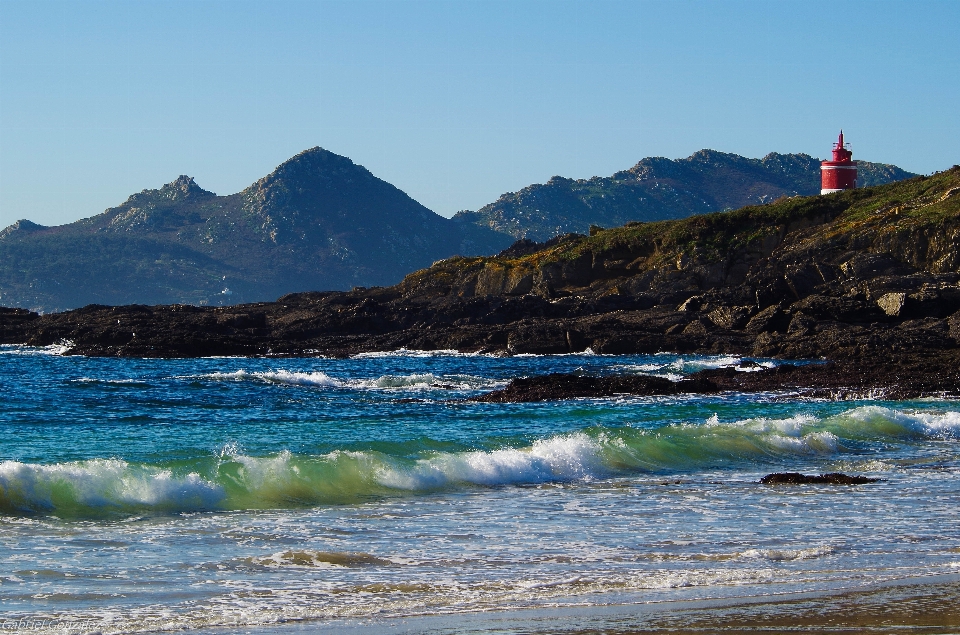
x=319 y=221
x=660 y=189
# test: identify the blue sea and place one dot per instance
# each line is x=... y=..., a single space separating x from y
x=240 y=494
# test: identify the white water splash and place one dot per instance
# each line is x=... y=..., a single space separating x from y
x=103 y=483
x=415 y=381
x=22 y=349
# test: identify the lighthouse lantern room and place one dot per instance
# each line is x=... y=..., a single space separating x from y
x=841 y=173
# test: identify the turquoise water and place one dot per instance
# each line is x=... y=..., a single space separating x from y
x=140 y=495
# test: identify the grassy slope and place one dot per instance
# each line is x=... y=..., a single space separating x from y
x=868 y=218
x=661 y=189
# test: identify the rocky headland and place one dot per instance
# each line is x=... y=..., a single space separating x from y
x=320 y=221
x=868 y=279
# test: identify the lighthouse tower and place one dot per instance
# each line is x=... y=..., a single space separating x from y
x=839 y=174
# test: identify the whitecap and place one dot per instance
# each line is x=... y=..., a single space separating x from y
x=409 y=352
x=560 y=458
x=292 y=378
x=22 y=349
x=102 y=483
x=414 y=381
x=781 y=555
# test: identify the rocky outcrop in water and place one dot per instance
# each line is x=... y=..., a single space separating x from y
x=558 y=386
x=913 y=375
x=795 y=478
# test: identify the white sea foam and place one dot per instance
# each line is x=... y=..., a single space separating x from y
x=427 y=381
x=247 y=605
x=421 y=381
x=560 y=458
x=676 y=367
x=813 y=443
x=781 y=555
x=292 y=378
x=807 y=434
x=871 y=420
x=95 y=380
x=740 y=368
x=407 y=352
x=703 y=363
x=22 y=349
x=799 y=434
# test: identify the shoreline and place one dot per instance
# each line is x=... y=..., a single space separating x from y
x=918 y=374
x=926 y=604
x=867 y=278
x=914 y=377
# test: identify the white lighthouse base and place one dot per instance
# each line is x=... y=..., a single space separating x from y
x=831 y=191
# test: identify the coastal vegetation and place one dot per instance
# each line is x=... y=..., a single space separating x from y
x=661 y=189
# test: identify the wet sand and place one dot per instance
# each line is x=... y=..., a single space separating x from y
x=915 y=605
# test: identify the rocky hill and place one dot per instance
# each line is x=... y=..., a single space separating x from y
x=869 y=277
x=319 y=221
x=660 y=189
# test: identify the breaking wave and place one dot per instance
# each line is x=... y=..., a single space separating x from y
x=415 y=353
x=409 y=352
x=416 y=381
x=22 y=349
x=233 y=480
x=675 y=367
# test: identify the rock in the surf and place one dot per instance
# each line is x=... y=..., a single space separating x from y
x=796 y=478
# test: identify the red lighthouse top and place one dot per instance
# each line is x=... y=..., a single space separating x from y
x=840 y=152
x=841 y=173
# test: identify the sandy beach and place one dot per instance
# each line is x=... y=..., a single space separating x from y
x=915 y=605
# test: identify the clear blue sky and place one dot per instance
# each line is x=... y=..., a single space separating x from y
x=454 y=102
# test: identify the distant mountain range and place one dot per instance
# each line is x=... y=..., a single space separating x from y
x=661 y=189
x=321 y=222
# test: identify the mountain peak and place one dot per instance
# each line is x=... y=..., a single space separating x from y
x=314 y=161
x=316 y=152
x=715 y=157
x=23 y=225
x=182 y=188
x=309 y=170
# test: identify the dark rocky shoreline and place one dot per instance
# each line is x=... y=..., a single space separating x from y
x=868 y=279
x=910 y=359
x=910 y=379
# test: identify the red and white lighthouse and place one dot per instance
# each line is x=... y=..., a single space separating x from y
x=839 y=174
